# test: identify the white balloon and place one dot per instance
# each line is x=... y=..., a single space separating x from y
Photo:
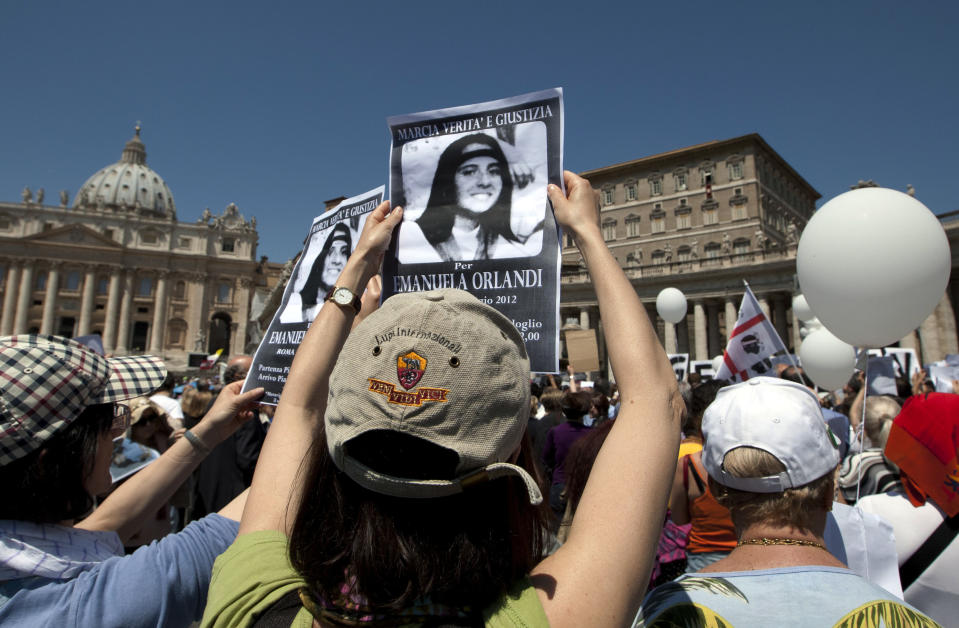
x=827 y=360
x=717 y=363
x=671 y=305
x=801 y=309
x=872 y=264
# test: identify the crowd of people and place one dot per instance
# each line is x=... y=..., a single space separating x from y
x=464 y=492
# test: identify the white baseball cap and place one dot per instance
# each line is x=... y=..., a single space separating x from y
x=780 y=417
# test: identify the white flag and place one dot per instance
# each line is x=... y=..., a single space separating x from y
x=752 y=344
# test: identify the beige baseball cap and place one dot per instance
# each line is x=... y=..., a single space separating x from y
x=441 y=366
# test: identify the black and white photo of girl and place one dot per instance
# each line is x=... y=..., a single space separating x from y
x=315 y=277
x=474 y=196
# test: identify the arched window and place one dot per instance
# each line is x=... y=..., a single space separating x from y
x=712 y=250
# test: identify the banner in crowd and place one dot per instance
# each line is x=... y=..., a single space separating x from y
x=752 y=345
x=680 y=363
x=472 y=181
x=907 y=362
x=704 y=368
x=331 y=240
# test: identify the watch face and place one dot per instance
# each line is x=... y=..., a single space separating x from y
x=343 y=296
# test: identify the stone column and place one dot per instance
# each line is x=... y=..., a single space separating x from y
x=947 y=326
x=159 y=315
x=699 y=329
x=241 y=291
x=25 y=297
x=670 y=341
x=779 y=317
x=86 y=301
x=110 y=320
x=50 y=299
x=10 y=285
x=198 y=327
x=764 y=306
x=929 y=340
x=714 y=342
x=731 y=316
x=126 y=307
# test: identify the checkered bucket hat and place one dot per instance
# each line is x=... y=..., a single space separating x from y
x=46 y=382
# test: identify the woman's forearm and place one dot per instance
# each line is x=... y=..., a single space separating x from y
x=275 y=494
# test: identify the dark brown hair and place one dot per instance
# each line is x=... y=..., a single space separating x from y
x=47 y=485
x=461 y=551
x=579 y=462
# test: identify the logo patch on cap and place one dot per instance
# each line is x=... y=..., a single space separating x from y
x=415 y=398
x=409 y=369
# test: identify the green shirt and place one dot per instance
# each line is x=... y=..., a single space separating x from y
x=255 y=572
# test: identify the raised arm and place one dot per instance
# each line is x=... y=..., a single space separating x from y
x=126 y=510
x=275 y=494
x=600 y=575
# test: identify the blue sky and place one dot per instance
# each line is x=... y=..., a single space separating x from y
x=279 y=106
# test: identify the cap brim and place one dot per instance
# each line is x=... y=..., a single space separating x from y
x=426 y=489
x=131 y=377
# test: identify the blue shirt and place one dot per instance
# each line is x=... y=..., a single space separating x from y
x=161 y=584
x=806 y=596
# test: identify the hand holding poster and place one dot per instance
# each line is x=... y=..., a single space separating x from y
x=472 y=181
x=332 y=238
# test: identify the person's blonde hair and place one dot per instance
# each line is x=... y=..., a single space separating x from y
x=880 y=412
x=794 y=507
x=194 y=402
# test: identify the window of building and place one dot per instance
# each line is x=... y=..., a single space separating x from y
x=6 y=223
x=682 y=220
x=683 y=253
x=176 y=333
x=736 y=171
x=659 y=256
x=179 y=290
x=223 y=292
x=712 y=250
x=631 y=192
x=632 y=226
x=609 y=229
x=655 y=187
x=710 y=216
x=72 y=281
x=103 y=285
x=741 y=245
x=149 y=237
x=739 y=212
x=608 y=196
x=657 y=221
x=184 y=243
x=680 y=181
x=568 y=240
x=705 y=176
x=108 y=233
x=41 y=283
x=66 y=326
x=228 y=246
x=145 y=287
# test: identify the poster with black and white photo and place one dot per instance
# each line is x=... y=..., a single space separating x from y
x=472 y=181
x=332 y=238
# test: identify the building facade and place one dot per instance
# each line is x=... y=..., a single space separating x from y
x=119 y=263
x=706 y=219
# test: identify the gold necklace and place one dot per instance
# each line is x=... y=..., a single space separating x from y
x=779 y=541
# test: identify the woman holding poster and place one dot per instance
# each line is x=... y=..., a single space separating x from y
x=469 y=211
x=397 y=487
